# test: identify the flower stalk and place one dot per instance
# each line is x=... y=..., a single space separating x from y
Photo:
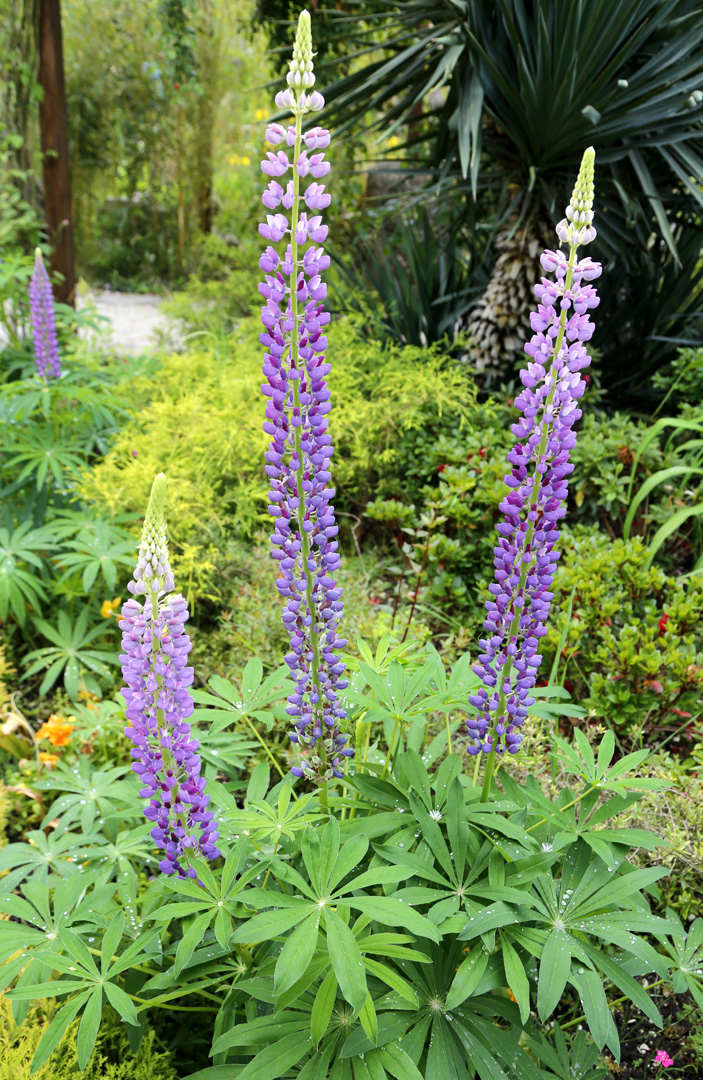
x=298 y=459
x=43 y=316
x=526 y=554
x=157 y=677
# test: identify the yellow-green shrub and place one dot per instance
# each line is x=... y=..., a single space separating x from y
x=200 y=417
x=18 y=1044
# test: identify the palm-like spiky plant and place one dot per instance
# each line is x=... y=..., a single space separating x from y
x=528 y=84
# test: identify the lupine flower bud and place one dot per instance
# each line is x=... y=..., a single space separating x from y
x=300 y=73
x=154 y=662
x=576 y=227
x=526 y=555
x=41 y=304
x=298 y=459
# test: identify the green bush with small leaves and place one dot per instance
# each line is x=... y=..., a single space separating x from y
x=629 y=636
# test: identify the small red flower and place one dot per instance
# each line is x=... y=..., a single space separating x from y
x=662 y=624
x=441 y=468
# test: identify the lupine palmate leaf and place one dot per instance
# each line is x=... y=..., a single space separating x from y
x=56 y=1030
x=347 y=961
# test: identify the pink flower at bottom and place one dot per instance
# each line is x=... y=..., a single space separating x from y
x=663 y=1059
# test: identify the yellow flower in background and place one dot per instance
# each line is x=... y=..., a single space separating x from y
x=90 y=700
x=237 y=160
x=393 y=142
x=261 y=114
x=56 y=729
x=108 y=607
x=48 y=759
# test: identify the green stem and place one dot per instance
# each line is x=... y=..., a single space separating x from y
x=167 y=758
x=563 y=808
x=488 y=775
x=419 y=577
x=295 y=358
x=169 y=1005
x=267 y=751
x=390 y=748
x=268 y=871
x=449 y=733
x=611 y=1005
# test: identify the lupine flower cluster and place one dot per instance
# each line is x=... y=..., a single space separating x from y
x=298 y=459
x=41 y=304
x=526 y=556
x=155 y=669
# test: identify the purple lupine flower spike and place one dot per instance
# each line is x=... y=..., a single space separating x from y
x=299 y=454
x=154 y=667
x=41 y=304
x=526 y=555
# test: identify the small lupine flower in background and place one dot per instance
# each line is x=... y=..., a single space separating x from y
x=526 y=555
x=41 y=304
x=663 y=1059
x=298 y=458
x=154 y=667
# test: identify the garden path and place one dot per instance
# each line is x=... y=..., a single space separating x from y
x=136 y=319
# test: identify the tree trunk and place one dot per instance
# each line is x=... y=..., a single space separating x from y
x=208 y=58
x=54 y=140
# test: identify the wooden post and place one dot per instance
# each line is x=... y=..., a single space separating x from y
x=54 y=141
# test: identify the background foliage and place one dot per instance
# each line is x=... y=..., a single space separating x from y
x=432 y=105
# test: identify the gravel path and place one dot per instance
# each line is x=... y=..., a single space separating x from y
x=136 y=318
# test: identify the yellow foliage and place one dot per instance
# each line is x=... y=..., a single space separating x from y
x=6 y=669
x=4 y=814
x=199 y=421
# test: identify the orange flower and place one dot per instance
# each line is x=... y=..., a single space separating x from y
x=48 y=759
x=56 y=729
x=108 y=607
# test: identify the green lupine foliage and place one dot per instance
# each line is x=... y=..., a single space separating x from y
x=387 y=935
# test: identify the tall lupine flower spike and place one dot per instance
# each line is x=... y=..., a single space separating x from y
x=526 y=555
x=41 y=305
x=298 y=459
x=154 y=667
